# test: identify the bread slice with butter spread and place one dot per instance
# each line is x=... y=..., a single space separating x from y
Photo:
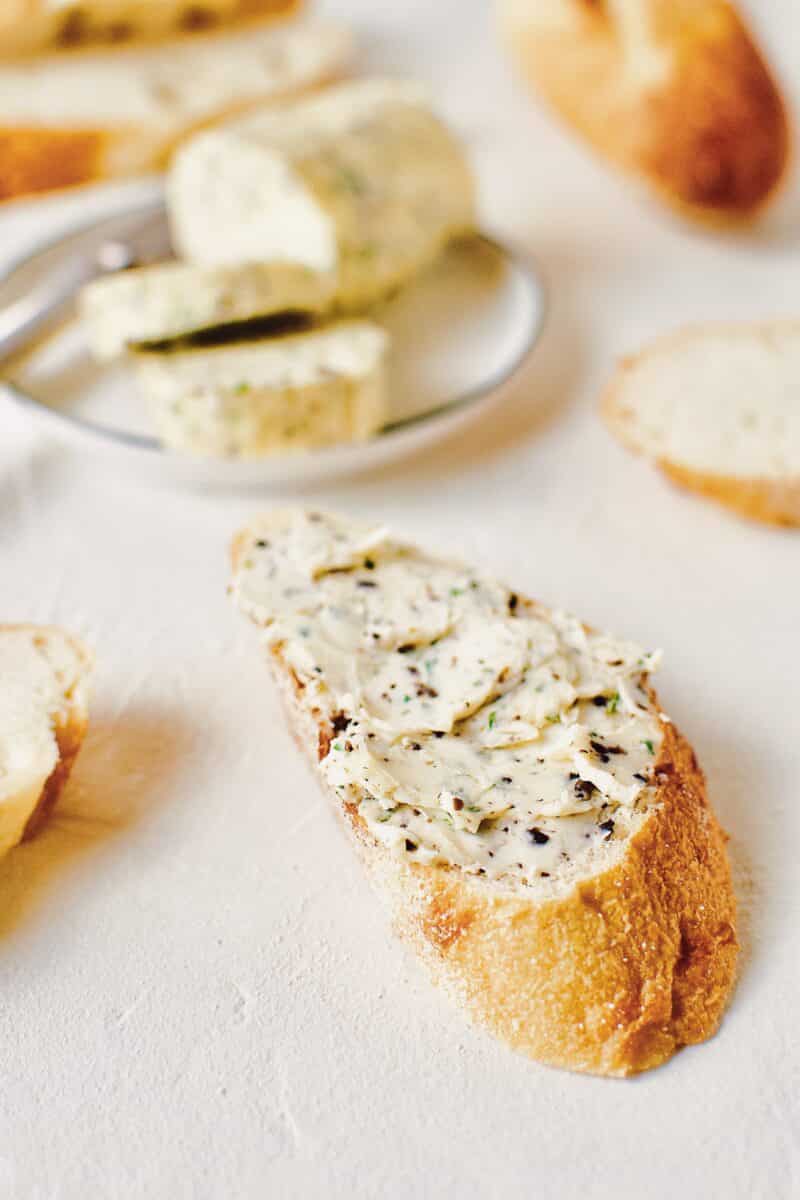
x=362 y=180
x=274 y=395
x=175 y=300
x=44 y=685
x=69 y=119
x=717 y=408
x=675 y=92
x=540 y=825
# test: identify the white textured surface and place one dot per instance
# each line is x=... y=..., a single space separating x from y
x=199 y=997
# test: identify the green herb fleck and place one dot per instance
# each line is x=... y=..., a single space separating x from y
x=337 y=745
x=554 y=719
x=349 y=179
x=406 y=699
x=612 y=704
x=492 y=720
x=649 y=745
x=241 y=388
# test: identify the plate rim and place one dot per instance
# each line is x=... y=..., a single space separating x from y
x=523 y=262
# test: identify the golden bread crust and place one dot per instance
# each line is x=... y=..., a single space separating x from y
x=678 y=95
x=615 y=977
x=70 y=737
x=36 y=159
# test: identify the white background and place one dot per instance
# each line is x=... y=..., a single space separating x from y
x=198 y=993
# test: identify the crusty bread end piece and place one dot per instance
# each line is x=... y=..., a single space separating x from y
x=717 y=408
x=609 y=975
x=44 y=681
x=674 y=91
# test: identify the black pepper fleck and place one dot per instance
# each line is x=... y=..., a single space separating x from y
x=538 y=837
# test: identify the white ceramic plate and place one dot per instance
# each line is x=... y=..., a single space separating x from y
x=458 y=333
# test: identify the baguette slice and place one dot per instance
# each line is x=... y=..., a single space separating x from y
x=44 y=686
x=35 y=26
x=315 y=388
x=362 y=180
x=541 y=828
x=674 y=91
x=175 y=300
x=72 y=119
x=717 y=407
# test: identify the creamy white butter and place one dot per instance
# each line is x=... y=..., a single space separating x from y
x=363 y=180
x=172 y=300
x=471 y=728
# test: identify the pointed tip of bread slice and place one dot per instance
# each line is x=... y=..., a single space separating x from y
x=715 y=406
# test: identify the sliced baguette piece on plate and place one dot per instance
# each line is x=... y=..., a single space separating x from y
x=318 y=387
x=540 y=827
x=99 y=114
x=35 y=26
x=362 y=179
x=175 y=300
x=44 y=692
x=717 y=408
x=673 y=91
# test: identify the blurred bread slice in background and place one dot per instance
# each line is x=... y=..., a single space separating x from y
x=68 y=119
x=320 y=386
x=717 y=407
x=43 y=718
x=363 y=180
x=674 y=91
x=36 y=26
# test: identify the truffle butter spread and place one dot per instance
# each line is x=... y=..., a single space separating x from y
x=471 y=727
